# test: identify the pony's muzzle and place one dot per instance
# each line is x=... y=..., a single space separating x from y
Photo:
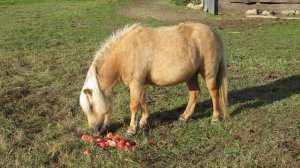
x=95 y=129
x=99 y=129
x=103 y=129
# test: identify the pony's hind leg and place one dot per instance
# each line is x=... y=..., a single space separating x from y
x=214 y=93
x=194 y=91
x=136 y=90
x=144 y=119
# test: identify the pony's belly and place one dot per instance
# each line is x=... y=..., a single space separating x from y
x=172 y=70
x=168 y=77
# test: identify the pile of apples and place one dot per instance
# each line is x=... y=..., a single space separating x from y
x=108 y=141
x=114 y=141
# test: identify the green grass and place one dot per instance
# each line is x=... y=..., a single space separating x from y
x=47 y=47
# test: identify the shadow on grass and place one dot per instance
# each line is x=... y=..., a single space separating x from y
x=265 y=94
x=252 y=97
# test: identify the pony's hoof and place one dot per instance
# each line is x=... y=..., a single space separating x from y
x=183 y=119
x=143 y=125
x=215 y=121
x=130 y=132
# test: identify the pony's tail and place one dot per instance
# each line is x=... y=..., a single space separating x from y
x=222 y=82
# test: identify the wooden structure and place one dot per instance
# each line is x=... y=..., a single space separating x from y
x=210 y=6
x=240 y=6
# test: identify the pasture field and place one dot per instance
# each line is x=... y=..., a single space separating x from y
x=46 y=48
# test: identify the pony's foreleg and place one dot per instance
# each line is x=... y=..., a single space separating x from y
x=214 y=93
x=144 y=119
x=135 y=97
x=194 y=91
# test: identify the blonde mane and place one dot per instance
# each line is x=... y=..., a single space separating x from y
x=110 y=41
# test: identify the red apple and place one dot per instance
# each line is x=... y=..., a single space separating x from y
x=97 y=136
x=151 y=142
x=87 y=152
x=121 y=143
x=102 y=144
x=163 y=142
x=116 y=138
x=128 y=144
x=111 y=143
x=86 y=138
x=134 y=148
x=125 y=148
x=109 y=135
x=98 y=140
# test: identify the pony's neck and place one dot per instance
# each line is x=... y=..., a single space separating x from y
x=106 y=61
x=108 y=75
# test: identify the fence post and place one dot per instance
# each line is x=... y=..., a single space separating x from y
x=211 y=6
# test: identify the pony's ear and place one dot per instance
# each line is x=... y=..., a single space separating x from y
x=88 y=91
x=89 y=94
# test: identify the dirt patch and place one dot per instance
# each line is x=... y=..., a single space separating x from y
x=292 y=146
x=295 y=116
x=247 y=136
x=285 y=154
x=277 y=158
x=164 y=11
x=281 y=150
x=161 y=10
x=272 y=133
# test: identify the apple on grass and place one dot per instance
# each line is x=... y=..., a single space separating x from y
x=102 y=144
x=86 y=138
x=151 y=142
x=109 y=135
x=134 y=148
x=121 y=143
x=128 y=144
x=110 y=141
x=87 y=152
x=163 y=142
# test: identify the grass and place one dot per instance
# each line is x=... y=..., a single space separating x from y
x=47 y=47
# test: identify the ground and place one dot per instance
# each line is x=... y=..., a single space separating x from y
x=47 y=47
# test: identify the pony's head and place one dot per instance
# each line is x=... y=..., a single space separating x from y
x=95 y=104
x=94 y=101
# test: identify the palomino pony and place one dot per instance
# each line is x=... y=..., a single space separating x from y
x=163 y=56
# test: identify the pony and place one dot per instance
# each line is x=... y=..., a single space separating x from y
x=138 y=55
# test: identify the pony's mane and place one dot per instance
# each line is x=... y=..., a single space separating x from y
x=92 y=81
x=111 y=40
